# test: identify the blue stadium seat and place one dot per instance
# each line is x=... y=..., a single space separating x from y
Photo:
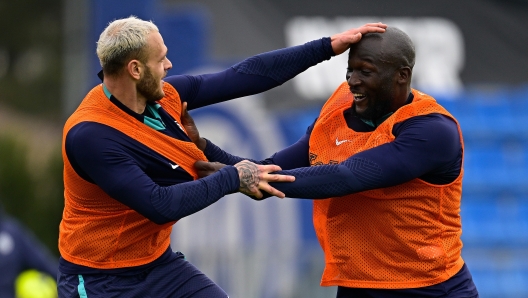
x=495 y=223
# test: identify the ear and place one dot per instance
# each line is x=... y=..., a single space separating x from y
x=404 y=75
x=135 y=69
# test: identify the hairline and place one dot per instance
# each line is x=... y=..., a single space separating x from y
x=124 y=40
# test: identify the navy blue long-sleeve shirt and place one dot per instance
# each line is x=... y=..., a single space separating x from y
x=101 y=154
x=426 y=147
x=144 y=180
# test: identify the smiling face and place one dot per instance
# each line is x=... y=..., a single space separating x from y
x=150 y=85
x=371 y=78
x=379 y=73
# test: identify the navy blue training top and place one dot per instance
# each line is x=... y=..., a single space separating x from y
x=145 y=181
x=426 y=147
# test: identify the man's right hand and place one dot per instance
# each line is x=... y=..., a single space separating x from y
x=342 y=41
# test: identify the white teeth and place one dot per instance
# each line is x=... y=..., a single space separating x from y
x=358 y=94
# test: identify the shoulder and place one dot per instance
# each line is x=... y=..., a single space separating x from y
x=177 y=82
x=88 y=130
x=431 y=131
x=91 y=138
x=434 y=121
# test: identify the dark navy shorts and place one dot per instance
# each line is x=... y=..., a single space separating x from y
x=459 y=285
x=177 y=278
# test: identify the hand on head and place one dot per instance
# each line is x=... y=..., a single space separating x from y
x=342 y=41
x=254 y=177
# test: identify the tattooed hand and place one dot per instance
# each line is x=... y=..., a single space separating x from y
x=254 y=177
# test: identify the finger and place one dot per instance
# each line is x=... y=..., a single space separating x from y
x=272 y=190
x=256 y=193
x=356 y=37
x=270 y=168
x=184 y=108
x=278 y=178
x=371 y=29
x=378 y=24
x=199 y=167
x=202 y=165
x=350 y=39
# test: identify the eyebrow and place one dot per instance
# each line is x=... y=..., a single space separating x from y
x=367 y=58
x=165 y=52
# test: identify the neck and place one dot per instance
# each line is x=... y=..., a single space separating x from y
x=124 y=90
x=401 y=98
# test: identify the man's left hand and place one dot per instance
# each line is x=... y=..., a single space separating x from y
x=190 y=127
x=205 y=168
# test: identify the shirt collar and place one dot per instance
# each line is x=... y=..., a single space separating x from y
x=154 y=122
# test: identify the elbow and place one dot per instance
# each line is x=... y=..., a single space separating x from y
x=161 y=220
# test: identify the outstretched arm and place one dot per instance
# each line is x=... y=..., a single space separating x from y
x=426 y=147
x=293 y=156
x=264 y=71
x=101 y=155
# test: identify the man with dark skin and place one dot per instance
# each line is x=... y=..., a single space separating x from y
x=383 y=163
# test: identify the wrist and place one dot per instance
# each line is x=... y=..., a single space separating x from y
x=202 y=144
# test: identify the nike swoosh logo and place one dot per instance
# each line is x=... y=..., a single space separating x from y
x=173 y=166
x=340 y=142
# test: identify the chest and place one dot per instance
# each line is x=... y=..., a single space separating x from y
x=333 y=141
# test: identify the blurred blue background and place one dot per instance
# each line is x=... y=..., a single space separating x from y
x=472 y=57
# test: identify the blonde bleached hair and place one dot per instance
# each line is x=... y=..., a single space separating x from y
x=123 y=40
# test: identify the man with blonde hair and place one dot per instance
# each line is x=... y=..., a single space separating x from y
x=129 y=166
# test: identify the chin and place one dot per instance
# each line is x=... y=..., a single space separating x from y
x=156 y=97
x=360 y=112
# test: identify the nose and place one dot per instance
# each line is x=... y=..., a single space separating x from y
x=168 y=64
x=352 y=78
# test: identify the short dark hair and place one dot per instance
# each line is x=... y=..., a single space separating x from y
x=397 y=45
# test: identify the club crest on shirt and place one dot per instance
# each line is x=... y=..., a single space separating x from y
x=314 y=162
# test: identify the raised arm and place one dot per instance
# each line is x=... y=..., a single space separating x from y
x=264 y=71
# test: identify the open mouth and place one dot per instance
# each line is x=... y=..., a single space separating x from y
x=359 y=96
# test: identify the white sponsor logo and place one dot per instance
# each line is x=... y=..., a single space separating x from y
x=173 y=166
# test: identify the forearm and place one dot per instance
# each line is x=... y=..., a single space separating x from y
x=284 y=64
x=178 y=201
x=163 y=204
x=251 y=76
x=425 y=147
x=320 y=182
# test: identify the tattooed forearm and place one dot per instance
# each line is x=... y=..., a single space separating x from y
x=249 y=178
